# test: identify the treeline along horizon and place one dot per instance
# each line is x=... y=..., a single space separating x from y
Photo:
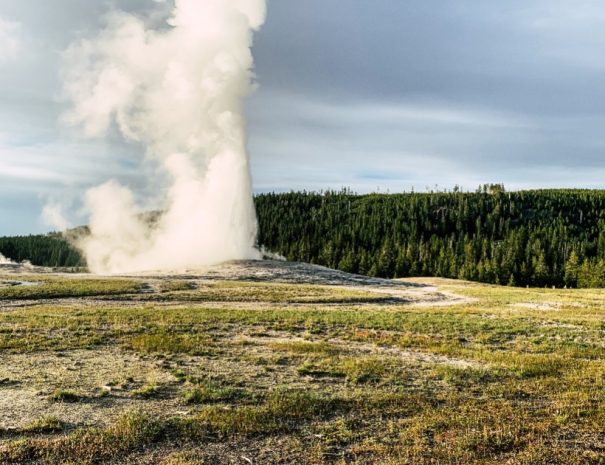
x=535 y=238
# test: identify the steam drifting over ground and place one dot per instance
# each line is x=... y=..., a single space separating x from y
x=177 y=90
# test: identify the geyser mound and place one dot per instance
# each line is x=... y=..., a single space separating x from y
x=178 y=91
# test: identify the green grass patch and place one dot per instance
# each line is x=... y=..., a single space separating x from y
x=365 y=369
x=468 y=376
x=45 y=425
x=62 y=395
x=147 y=391
x=305 y=347
x=46 y=287
x=209 y=393
x=176 y=285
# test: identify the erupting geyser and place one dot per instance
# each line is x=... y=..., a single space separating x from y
x=178 y=90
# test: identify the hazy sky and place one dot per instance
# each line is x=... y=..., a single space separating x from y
x=380 y=94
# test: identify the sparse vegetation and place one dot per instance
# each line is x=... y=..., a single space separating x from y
x=506 y=376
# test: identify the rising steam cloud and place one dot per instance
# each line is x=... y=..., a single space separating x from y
x=177 y=90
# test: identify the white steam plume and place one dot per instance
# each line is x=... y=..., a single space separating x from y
x=52 y=215
x=5 y=261
x=177 y=90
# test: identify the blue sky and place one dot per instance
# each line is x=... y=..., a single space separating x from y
x=381 y=94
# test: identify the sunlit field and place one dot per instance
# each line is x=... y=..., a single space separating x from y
x=182 y=370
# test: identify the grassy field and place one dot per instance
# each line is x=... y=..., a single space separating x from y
x=184 y=372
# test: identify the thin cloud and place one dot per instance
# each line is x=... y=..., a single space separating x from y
x=10 y=39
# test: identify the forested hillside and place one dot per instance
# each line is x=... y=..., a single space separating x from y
x=45 y=250
x=537 y=238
